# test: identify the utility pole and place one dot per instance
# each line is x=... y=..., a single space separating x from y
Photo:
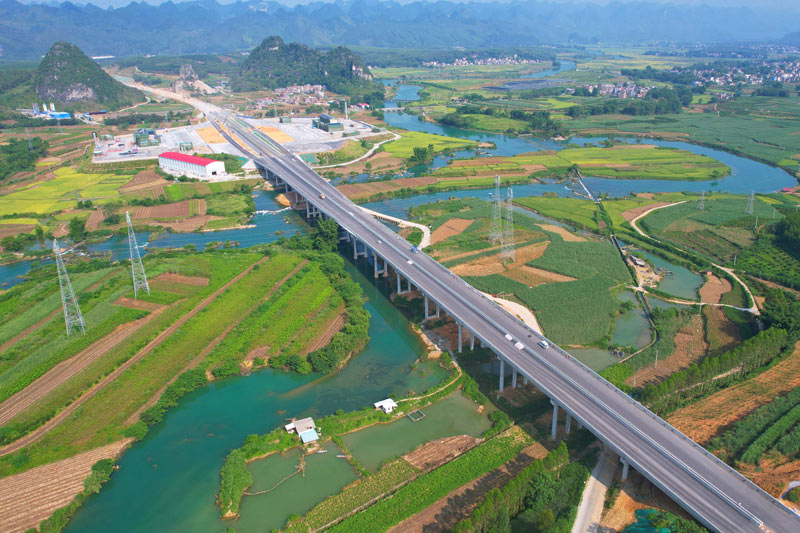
x=30 y=144
x=656 y=366
x=701 y=204
x=137 y=267
x=72 y=312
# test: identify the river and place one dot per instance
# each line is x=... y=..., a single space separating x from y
x=168 y=481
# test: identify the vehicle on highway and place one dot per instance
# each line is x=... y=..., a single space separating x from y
x=544 y=344
x=414 y=250
x=321 y=196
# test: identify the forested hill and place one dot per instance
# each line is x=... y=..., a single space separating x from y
x=274 y=64
x=206 y=26
x=66 y=75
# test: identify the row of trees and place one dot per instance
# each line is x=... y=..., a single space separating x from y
x=538 y=121
x=659 y=101
x=729 y=366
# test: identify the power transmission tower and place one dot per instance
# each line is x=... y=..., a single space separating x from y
x=749 y=208
x=507 y=250
x=30 y=144
x=701 y=205
x=72 y=312
x=137 y=267
x=496 y=229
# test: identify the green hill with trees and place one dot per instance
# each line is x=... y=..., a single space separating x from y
x=274 y=64
x=68 y=76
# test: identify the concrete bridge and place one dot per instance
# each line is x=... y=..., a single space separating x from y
x=713 y=492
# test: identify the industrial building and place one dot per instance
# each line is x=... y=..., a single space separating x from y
x=190 y=165
x=327 y=123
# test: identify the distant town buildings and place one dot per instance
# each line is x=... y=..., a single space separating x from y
x=295 y=95
x=465 y=61
x=192 y=166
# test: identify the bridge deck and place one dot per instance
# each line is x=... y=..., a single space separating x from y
x=712 y=491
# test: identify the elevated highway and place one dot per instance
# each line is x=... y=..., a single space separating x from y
x=714 y=493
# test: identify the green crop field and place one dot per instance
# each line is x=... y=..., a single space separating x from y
x=555 y=304
x=404 y=147
x=62 y=192
x=576 y=211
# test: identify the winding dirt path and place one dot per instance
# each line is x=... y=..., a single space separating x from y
x=60 y=417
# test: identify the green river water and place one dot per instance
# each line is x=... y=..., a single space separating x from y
x=168 y=481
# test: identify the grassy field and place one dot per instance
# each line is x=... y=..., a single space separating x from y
x=720 y=231
x=404 y=147
x=571 y=210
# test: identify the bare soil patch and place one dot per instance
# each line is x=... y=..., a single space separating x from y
x=705 y=419
x=713 y=289
x=169 y=277
x=10 y=230
x=563 y=232
x=28 y=498
x=454 y=226
x=773 y=474
x=438 y=452
x=174 y=210
x=630 y=214
x=690 y=347
x=723 y=329
x=130 y=303
x=484 y=266
x=532 y=276
x=188 y=224
x=94 y=220
x=637 y=493
x=146 y=179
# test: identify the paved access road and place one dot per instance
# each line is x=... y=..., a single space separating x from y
x=713 y=492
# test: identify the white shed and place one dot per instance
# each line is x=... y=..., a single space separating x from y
x=387 y=406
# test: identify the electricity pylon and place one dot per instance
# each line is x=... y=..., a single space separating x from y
x=137 y=267
x=507 y=250
x=749 y=208
x=72 y=312
x=701 y=205
x=496 y=230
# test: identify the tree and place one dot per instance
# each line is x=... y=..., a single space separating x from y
x=77 y=229
x=326 y=235
x=39 y=235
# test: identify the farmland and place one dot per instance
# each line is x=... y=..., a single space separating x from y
x=294 y=315
x=404 y=147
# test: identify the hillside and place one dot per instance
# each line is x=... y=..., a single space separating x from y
x=68 y=76
x=274 y=64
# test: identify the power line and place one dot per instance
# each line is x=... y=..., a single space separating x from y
x=72 y=312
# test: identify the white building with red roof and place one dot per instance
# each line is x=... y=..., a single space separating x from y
x=192 y=166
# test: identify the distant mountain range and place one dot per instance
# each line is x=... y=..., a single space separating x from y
x=200 y=26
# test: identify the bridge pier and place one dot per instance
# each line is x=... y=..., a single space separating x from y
x=377 y=269
x=524 y=380
x=513 y=377
x=356 y=253
x=567 y=423
x=408 y=287
x=554 y=425
x=459 y=337
x=625 y=467
x=502 y=373
x=471 y=341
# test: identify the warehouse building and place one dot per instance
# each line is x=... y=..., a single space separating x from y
x=192 y=166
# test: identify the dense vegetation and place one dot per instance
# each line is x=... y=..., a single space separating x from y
x=538 y=122
x=275 y=64
x=17 y=156
x=68 y=76
x=544 y=496
x=658 y=101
